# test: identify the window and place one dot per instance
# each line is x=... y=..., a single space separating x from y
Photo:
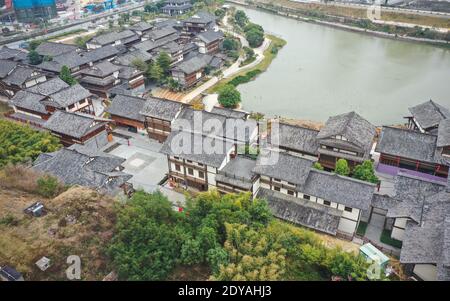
x=176 y=158
x=190 y=171
x=177 y=167
x=276 y=180
x=189 y=161
x=327 y=203
x=200 y=164
x=290 y=192
x=201 y=174
x=306 y=197
x=292 y=184
x=348 y=209
x=276 y=188
x=71 y=106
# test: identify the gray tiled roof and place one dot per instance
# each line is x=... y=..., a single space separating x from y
x=206 y=150
x=443 y=133
x=69 y=96
x=343 y=190
x=75 y=168
x=161 y=108
x=210 y=36
x=70 y=59
x=411 y=192
x=127 y=106
x=101 y=53
x=201 y=17
x=128 y=58
x=49 y=87
x=53 y=49
x=302 y=212
x=160 y=33
x=71 y=124
x=428 y=242
x=129 y=72
x=193 y=64
x=141 y=26
x=208 y=123
x=238 y=172
x=6 y=67
x=27 y=100
x=384 y=201
x=352 y=126
x=19 y=75
x=102 y=69
x=16 y=55
x=111 y=37
x=429 y=114
x=229 y=113
x=150 y=45
x=296 y=138
x=287 y=168
x=407 y=143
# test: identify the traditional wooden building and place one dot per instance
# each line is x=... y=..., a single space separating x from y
x=125 y=112
x=100 y=172
x=159 y=116
x=191 y=164
x=73 y=128
x=100 y=78
x=237 y=176
x=141 y=28
x=72 y=99
x=15 y=77
x=52 y=49
x=191 y=71
x=176 y=7
x=199 y=22
x=422 y=213
x=133 y=79
x=347 y=136
x=209 y=42
x=426 y=116
x=294 y=139
x=413 y=151
x=125 y=37
x=317 y=199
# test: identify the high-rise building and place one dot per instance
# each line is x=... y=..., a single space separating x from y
x=33 y=10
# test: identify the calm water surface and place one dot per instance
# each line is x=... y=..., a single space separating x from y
x=324 y=71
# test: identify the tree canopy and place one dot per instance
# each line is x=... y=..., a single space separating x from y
x=229 y=97
x=66 y=76
x=342 y=167
x=365 y=172
x=34 y=57
x=234 y=235
x=20 y=143
x=240 y=18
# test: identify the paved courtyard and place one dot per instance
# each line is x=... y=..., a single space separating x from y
x=144 y=162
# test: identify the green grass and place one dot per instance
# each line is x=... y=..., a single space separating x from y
x=270 y=53
x=387 y=239
x=362 y=227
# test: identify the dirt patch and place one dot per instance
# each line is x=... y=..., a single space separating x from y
x=78 y=222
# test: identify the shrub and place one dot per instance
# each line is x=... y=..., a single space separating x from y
x=48 y=186
x=318 y=166
x=365 y=172
x=342 y=167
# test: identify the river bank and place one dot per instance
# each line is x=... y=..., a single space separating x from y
x=394 y=32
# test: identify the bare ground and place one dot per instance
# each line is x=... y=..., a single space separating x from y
x=53 y=236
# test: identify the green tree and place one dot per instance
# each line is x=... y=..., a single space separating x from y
x=20 y=143
x=230 y=44
x=229 y=97
x=34 y=44
x=342 y=167
x=220 y=13
x=156 y=73
x=147 y=243
x=34 y=57
x=240 y=18
x=191 y=252
x=140 y=64
x=164 y=62
x=254 y=37
x=253 y=256
x=365 y=172
x=66 y=76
